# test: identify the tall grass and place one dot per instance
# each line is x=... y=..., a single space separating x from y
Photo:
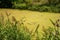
x=9 y=30
x=15 y=30
x=52 y=33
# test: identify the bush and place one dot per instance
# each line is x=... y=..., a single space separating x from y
x=20 y=6
x=45 y=9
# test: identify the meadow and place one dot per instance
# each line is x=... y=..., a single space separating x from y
x=29 y=25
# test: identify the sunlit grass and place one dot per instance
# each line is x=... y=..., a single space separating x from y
x=13 y=29
x=9 y=30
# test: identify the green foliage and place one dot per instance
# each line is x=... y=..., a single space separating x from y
x=9 y=30
x=35 y=5
x=52 y=33
x=20 y=6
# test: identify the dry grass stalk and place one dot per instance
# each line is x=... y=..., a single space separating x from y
x=2 y=19
x=57 y=24
x=14 y=19
x=8 y=14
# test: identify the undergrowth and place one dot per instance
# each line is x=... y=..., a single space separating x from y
x=15 y=30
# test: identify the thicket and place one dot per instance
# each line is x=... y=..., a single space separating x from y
x=35 y=5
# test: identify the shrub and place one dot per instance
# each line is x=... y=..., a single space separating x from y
x=45 y=9
x=20 y=6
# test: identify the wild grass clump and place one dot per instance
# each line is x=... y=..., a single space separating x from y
x=9 y=30
x=52 y=33
x=15 y=30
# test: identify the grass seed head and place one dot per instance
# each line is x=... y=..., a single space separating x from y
x=13 y=19
x=8 y=14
